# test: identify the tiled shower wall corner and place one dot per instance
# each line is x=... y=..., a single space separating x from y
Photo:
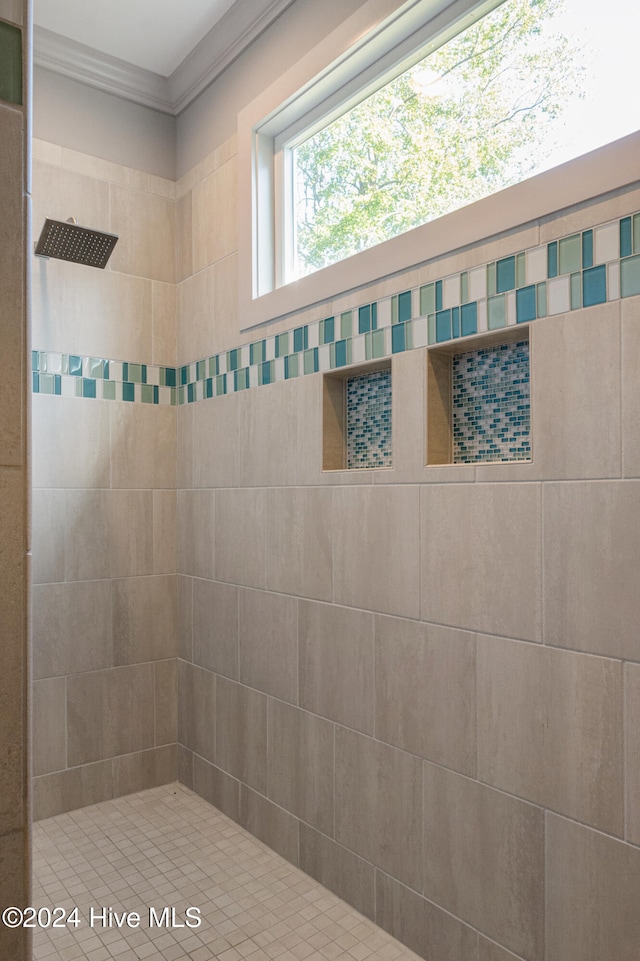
x=15 y=881
x=361 y=679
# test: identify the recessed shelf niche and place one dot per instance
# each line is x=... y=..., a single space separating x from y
x=356 y=430
x=478 y=401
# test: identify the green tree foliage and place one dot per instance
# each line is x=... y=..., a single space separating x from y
x=457 y=126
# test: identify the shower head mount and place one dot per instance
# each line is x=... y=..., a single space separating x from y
x=65 y=240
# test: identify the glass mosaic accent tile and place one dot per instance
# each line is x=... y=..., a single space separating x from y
x=490 y=404
x=368 y=419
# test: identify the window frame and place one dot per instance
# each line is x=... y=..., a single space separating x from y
x=368 y=49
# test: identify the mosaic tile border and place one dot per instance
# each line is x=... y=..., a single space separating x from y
x=583 y=269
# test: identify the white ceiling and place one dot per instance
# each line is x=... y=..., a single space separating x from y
x=161 y=53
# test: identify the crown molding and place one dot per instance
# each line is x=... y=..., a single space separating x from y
x=223 y=44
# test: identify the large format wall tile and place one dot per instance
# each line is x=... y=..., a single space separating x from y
x=630 y=387
x=88 y=537
x=241 y=733
x=130 y=527
x=215 y=237
x=213 y=428
x=480 y=557
x=300 y=764
x=143 y=770
x=143 y=446
x=425 y=691
x=197 y=710
x=240 y=537
x=49 y=719
x=66 y=790
x=97 y=705
x=550 y=729
x=165 y=702
x=48 y=540
x=216 y=787
x=71 y=628
x=344 y=873
x=70 y=443
x=276 y=828
x=145 y=223
x=632 y=751
x=195 y=317
x=376 y=549
x=266 y=438
x=144 y=618
x=591 y=560
x=299 y=542
x=215 y=627
x=196 y=533
x=336 y=664
x=484 y=859
x=593 y=883
x=268 y=643
x=575 y=394
x=380 y=805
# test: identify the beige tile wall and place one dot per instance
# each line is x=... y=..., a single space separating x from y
x=105 y=595
x=412 y=682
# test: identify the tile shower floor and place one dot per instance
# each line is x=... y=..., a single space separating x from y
x=166 y=847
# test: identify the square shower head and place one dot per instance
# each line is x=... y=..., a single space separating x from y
x=80 y=245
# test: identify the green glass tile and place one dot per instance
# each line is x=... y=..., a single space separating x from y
x=346 y=324
x=300 y=339
x=134 y=373
x=282 y=344
x=10 y=63
x=394 y=309
x=147 y=393
x=143 y=373
x=377 y=338
x=105 y=370
x=636 y=233
x=521 y=269
x=587 y=248
x=180 y=396
x=427 y=300
x=65 y=364
x=311 y=361
x=569 y=254
x=213 y=366
x=552 y=259
x=408 y=335
x=221 y=384
x=541 y=300
x=35 y=382
x=404 y=306
x=233 y=359
x=174 y=396
x=79 y=388
x=291 y=366
x=109 y=390
x=431 y=322
x=95 y=368
x=328 y=330
x=35 y=360
x=201 y=370
x=630 y=276
x=191 y=393
x=505 y=274
x=208 y=388
x=374 y=315
x=256 y=352
x=576 y=291
x=464 y=287
x=75 y=365
x=626 y=237
x=491 y=280
x=496 y=312
x=47 y=384
x=184 y=375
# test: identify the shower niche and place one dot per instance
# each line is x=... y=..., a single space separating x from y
x=356 y=415
x=478 y=400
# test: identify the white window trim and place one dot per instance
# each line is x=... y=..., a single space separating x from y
x=354 y=57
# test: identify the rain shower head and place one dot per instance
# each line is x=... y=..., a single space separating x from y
x=80 y=245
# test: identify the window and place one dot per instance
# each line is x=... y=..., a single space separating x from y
x=474 y=97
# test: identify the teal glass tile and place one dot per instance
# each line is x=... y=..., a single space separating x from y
x=170 y=377
x=184 y=375
x=105 y=370
x=464 y=287
x=134 y=373
x=57 y=384
x=208 y=388
x=552 y=259
x=109 y=390
x=221 y=384
x=35 y=382
x=443 y=326
x=636 y=233
x=328 y=330
x=594 y=286
x=521 y=269
x=128 y=392
x=233 y=359
x=346 y=324
x=342 y=357
x=240 y=379
x=525 y=304
x=496 y=312
x=156 y=394
x=438 y=295
x=455 y=321
x=404 y=306
x=505 y=275
x=191 y=393
x=364 y=319
x=291 y=366
x=492 y=288
x=147 y=394
x=587 y=248
x=431 y=327
x=541 y=300
x=311 y=365
x=469 y=319
x=300 y=339
x=569 y=254
x=266 y=372
x=96 y=368
x=398 y=339
x=427 y=299
x=75 y=365
x=282 y=344
x=630 y=276
x=35 y=360
x=374 y=315
x=143 y=373
x=626 y=238
x=10 y=63
x=257 y=352
x=201 y=370
x=576 y=292
x=368 y=420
